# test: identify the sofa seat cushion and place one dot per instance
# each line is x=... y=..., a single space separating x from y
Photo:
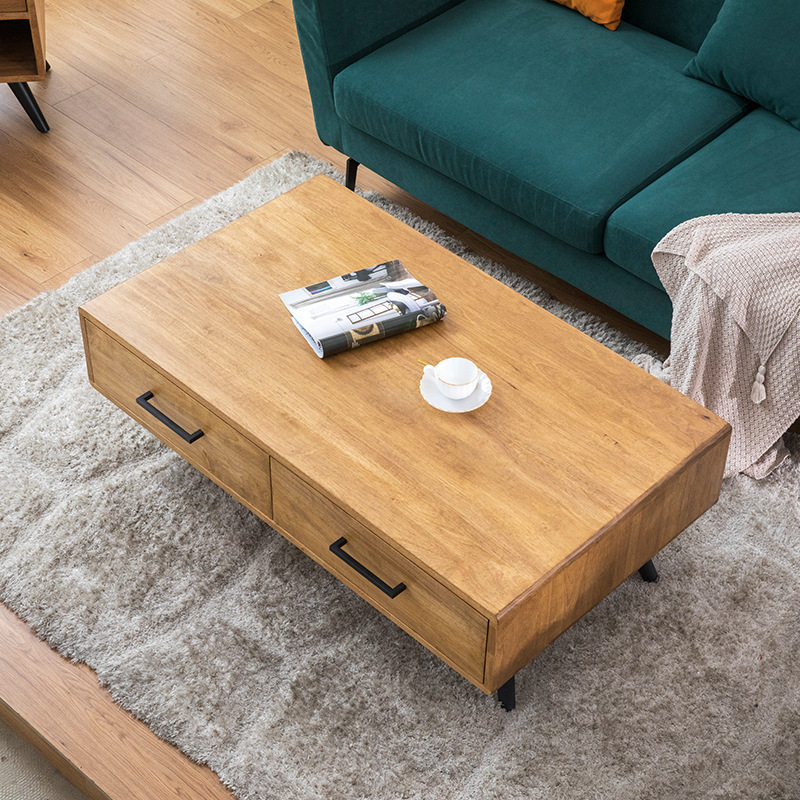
x=752 y=168
x=536 y=108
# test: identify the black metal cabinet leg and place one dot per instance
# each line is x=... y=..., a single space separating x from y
x=648 y=572
x=23 y=93
x=507 y=694
x=350 y=171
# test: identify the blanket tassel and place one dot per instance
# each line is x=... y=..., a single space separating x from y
x=758 y=394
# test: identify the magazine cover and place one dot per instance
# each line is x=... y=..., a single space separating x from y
x=360 y=307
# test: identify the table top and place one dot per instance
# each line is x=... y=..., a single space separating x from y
x=492 y=501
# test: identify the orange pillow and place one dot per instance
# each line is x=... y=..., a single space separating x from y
x=604 y=12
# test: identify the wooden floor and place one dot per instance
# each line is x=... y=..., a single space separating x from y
x=153 y=107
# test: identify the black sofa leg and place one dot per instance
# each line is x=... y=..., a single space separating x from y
x=23 y=93
x=507 y=694
x=648 y=572
x=350 y=174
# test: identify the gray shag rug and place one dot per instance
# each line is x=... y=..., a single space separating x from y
x=233 y=645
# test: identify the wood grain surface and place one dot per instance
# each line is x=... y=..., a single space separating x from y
x=101 y=749
x=530 y=509
x=509 y=485
x=10 y=7
x=579 y=583
x=425 y=609
x=221 y=453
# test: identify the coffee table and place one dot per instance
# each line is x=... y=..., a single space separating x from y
x=483 y=535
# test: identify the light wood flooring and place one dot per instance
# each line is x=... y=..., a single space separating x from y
x=153 y=107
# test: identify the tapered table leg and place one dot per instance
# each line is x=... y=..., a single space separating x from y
x=507 y=694
x=350 y=170
x=23 y=93
x=648 y=572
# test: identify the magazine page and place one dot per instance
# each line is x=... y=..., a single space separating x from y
x=362 y=306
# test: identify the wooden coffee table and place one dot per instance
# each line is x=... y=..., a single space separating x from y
x=505 y=525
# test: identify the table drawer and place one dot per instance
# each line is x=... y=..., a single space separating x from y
x=224 y=455
x=426 y=609
x=13 y=6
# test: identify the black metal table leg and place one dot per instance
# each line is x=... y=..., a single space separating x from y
x=648 y=572
x=507 y=694
x=350 y=170
x=23 y=93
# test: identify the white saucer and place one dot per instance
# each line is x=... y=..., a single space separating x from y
x=434 y=397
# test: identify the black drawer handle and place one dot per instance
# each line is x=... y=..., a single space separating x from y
x=161 y=417
x=392 y=591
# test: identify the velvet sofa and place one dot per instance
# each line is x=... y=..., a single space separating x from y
x=574 y=146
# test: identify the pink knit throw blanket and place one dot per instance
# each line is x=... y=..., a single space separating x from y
x=734 y=281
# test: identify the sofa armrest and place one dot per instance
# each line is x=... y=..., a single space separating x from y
x=335 y=33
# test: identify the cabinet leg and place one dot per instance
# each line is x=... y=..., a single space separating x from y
x=507 y=694
x=350 y=171
x=648 y=572
x=23 y=93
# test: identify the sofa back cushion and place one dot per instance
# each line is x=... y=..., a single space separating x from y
x=753 y=50
x=684 y=22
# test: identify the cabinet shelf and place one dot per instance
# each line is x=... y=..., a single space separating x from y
x=22 y=42
x=18 y=62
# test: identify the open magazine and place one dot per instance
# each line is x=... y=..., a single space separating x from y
x=360 y=307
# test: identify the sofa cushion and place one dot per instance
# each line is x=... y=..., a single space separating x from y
x=753 y=49
x=753 y=167
x=685 y=22
x=592 y=273
x=604 y=12
x=536 y=108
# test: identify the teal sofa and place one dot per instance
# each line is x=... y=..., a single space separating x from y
x=575 y=147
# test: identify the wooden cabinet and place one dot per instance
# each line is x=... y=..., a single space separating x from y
x=22 y=50
x=22 y=41
x=500 y=533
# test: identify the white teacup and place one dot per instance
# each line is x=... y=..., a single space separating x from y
x=455 y=378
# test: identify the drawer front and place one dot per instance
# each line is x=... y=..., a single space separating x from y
x=13 y=6
x=228 y=458
x=430 y=612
